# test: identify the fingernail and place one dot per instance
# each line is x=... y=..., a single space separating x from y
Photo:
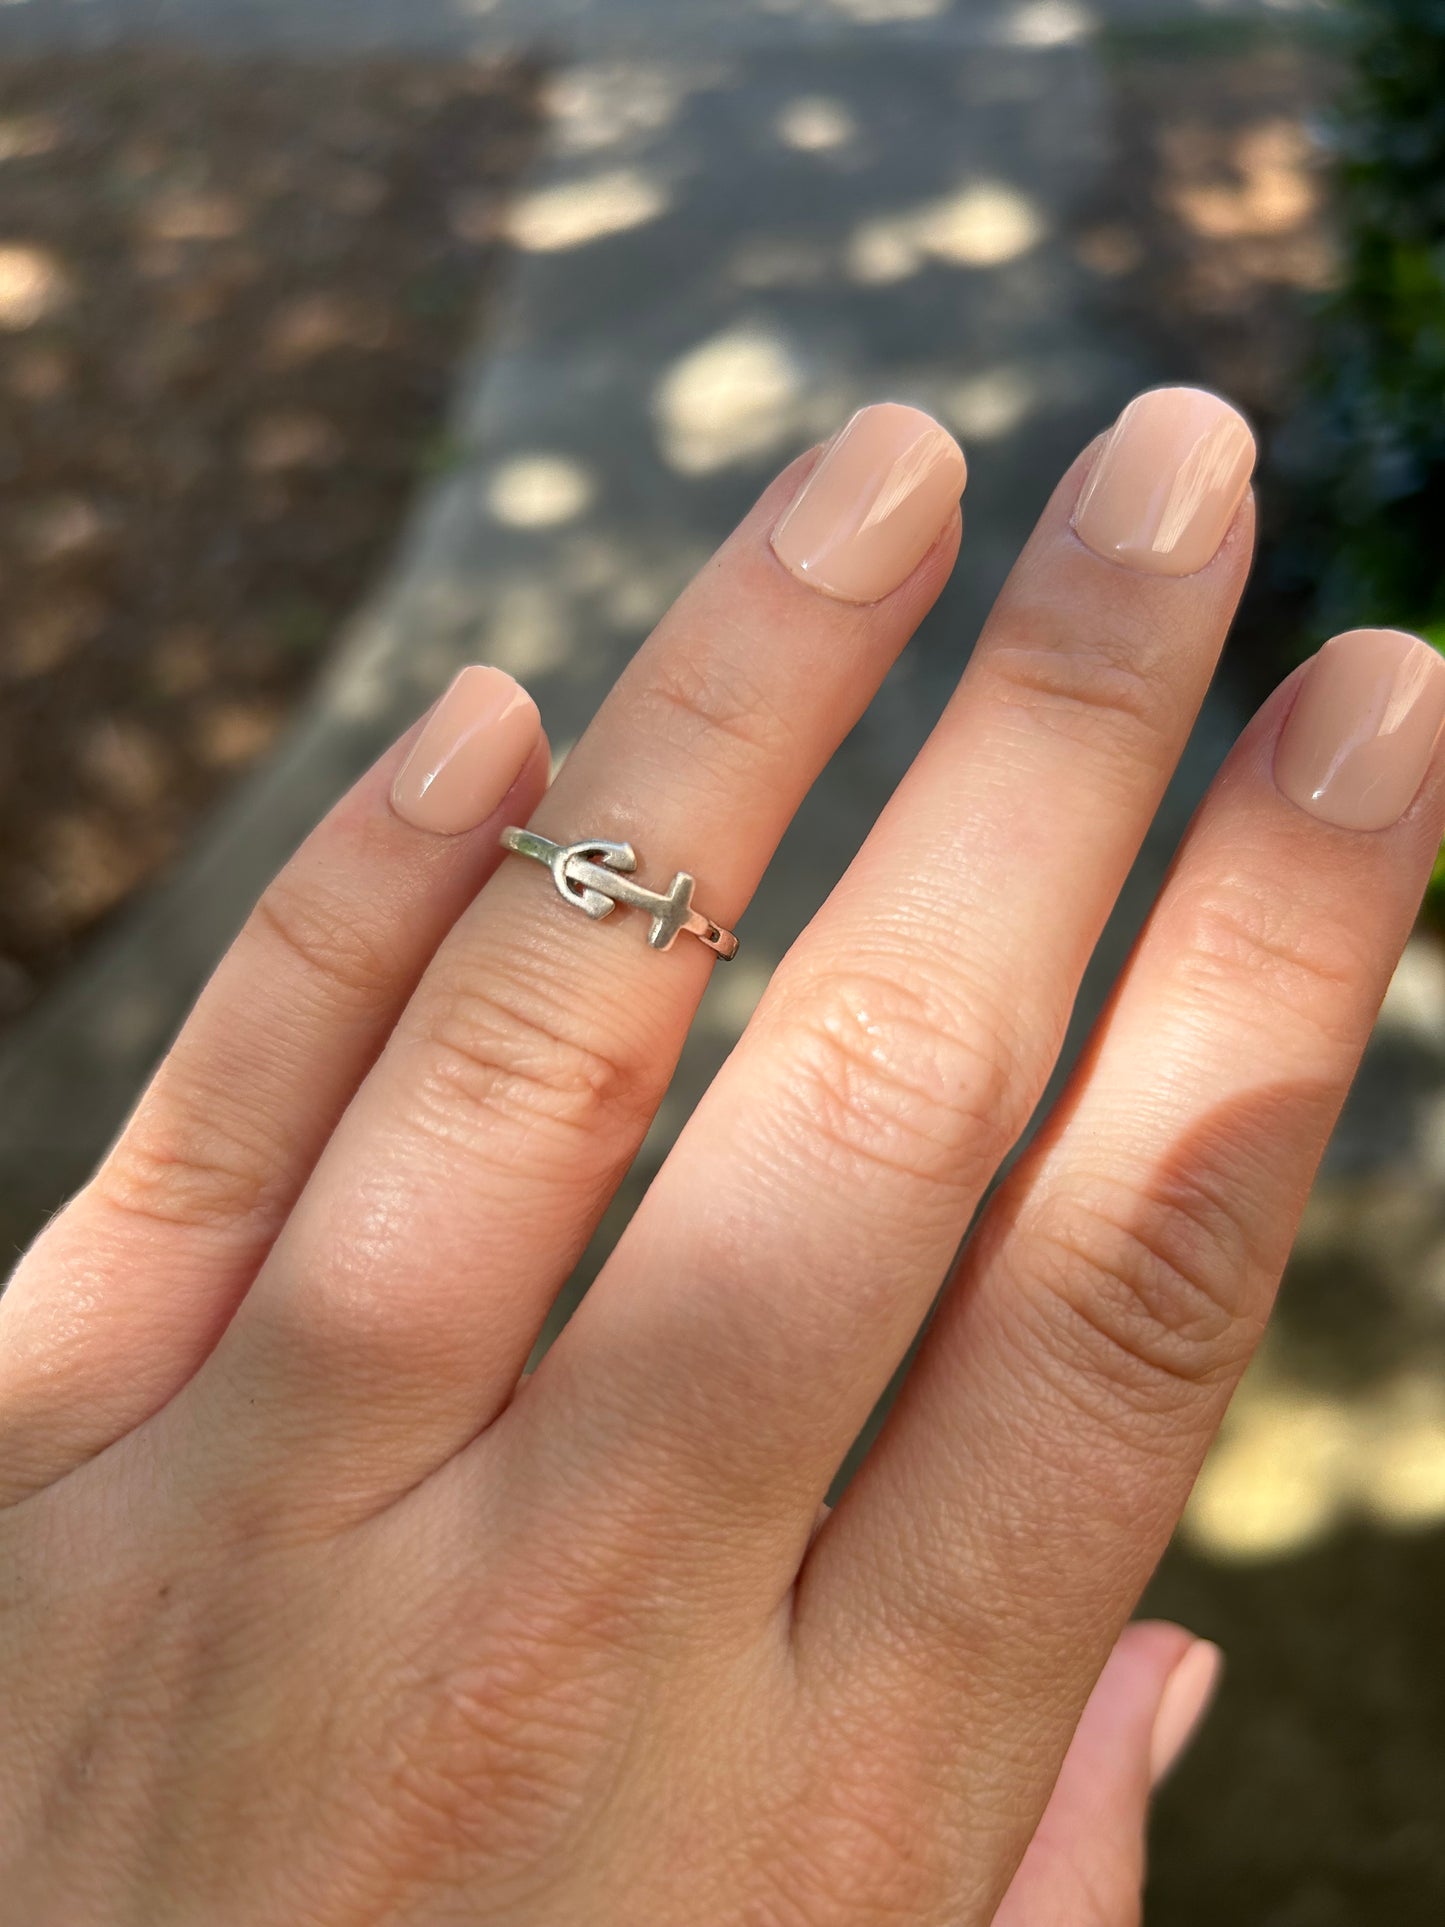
x=1359 y=739
x=874 y=504
x=1188 y=1693
x=1167 y=483
x=469 y=754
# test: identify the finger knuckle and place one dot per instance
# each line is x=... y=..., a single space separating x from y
x=1146 y=1292
x=869 y=1836
x=505 y=1050
x=691 y=700
x=183 y=1164
x=854 y=1871
x=496 y=1750
x=880 y=1071
x=510 y=1719
x=329 y=939
x=1098 y=688
x=1246 y=945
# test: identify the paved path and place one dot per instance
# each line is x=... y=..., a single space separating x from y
x=721 y=254
x=585 y=27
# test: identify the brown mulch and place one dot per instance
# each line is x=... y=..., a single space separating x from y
x=1211 y=241
x=232 y=296
x=1212 y=231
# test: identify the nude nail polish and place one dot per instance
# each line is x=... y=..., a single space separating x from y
x=1188 y=1693
x=468 y=755
x=1167 y=483
x=1355 y=748
x=874 y=504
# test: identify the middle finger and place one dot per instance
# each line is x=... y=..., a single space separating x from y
x=817 y=1196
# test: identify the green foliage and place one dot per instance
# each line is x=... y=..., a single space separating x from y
x=1374 y=439
x=1380 y=422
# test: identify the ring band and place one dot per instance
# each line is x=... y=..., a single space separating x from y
x=597 y=876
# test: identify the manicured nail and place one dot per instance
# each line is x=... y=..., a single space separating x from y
x=1188 y=1692
x=1167 y=483
x=1356 y=745
x=469 y=754
x=874 y=504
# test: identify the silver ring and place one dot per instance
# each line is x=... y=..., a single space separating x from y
x=595 y=877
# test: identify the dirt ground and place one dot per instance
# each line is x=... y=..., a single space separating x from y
x=1213 y=242
x=232 y=297
x=1213 y=228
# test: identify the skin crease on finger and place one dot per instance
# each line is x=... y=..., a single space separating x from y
x=469 y=1718
x=394 y=1313
x=908 y=1035
x=190 y=1199
x=557 y=1685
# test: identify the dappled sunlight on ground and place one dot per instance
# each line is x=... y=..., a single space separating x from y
x=229 y=299
x=816 y=124
x=1414 y=1006
x=528 y=630
x=1215 y=222
x=727 y=400
x=569 y=214
x=869 y=13
x=1315 y=1538
x=597 y=106
x=539 y=491
x=981 y=225
x=778 y=236
x=988 y=406
x=33 y=286
x=1340 y=1421
x=734 y=995
x=1050 y=23
x=1295 y=1463
x=1269 y=187
x=774 y=261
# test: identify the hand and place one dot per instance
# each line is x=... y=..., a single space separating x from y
x=313 y=1609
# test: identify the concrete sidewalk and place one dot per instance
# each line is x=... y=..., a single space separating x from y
x=582 y=29
x=721 y=254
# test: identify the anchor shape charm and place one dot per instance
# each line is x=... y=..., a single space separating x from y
x=596 y=875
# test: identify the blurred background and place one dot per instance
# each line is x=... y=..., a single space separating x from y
x=346 y=341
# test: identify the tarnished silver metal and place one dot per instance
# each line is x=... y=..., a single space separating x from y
x=596 y=877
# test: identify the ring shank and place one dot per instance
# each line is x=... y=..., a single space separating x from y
x=528 y=843
x=596 y=875
x=721 y=942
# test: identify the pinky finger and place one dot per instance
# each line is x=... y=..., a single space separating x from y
x=1085 y=1865
x=123 y=1295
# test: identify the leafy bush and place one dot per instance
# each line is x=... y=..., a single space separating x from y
x=1372 y=441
